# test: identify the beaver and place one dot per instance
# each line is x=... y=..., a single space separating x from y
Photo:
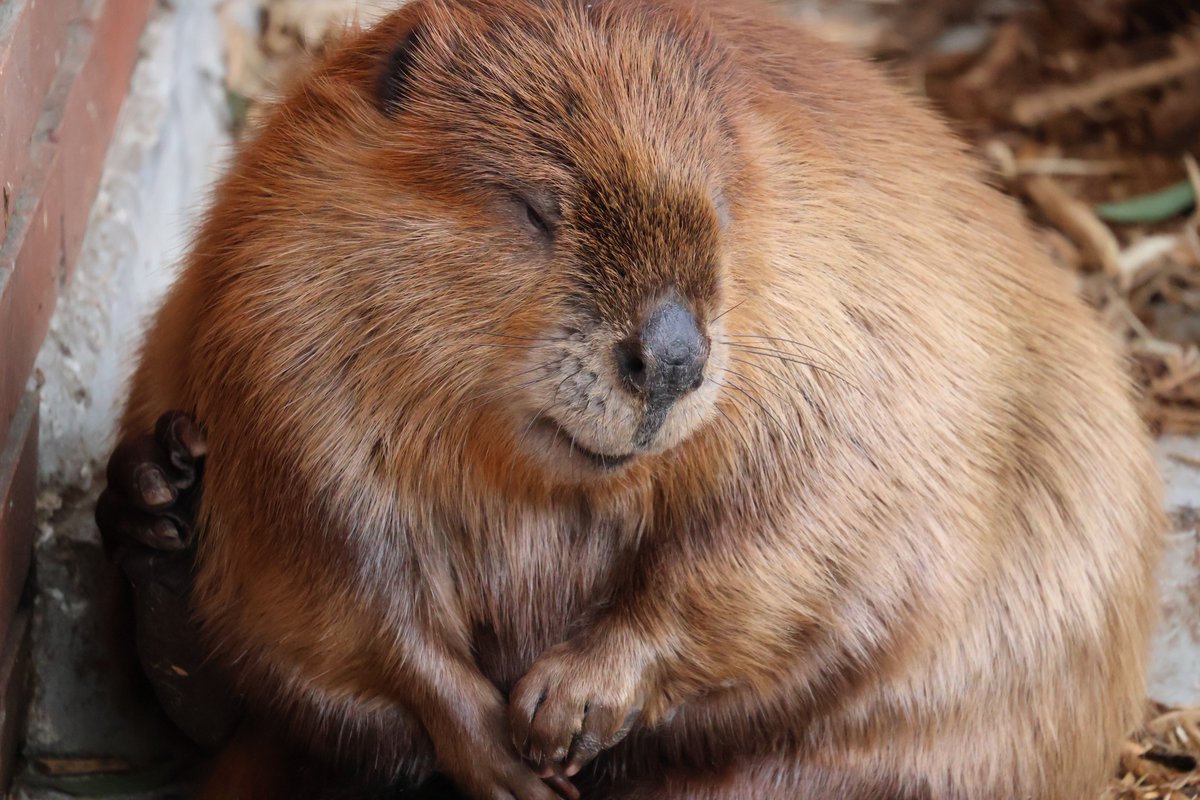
x=648 y=400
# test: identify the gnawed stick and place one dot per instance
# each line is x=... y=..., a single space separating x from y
x=1036 y=108
x=1077 y=220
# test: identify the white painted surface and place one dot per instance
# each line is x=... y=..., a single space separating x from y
x=170 y=138
x=1175 y=667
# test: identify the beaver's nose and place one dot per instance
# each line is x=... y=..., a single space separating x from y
x=665 y=359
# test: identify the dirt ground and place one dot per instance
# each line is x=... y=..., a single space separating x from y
x=1088 y=111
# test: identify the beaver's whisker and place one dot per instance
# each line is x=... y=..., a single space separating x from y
x=745 y=408
x=737 y=429
x=767 y=349
x=775 y=339
x=774 y=392
x=558 y=388
x=492 y=395
x=790 y=358
x=726 y=311
x=507 y=346
x=549 y=403
x=507 y=389
x=528 y=427
x=525 y=338
x=763 y=407
x=764 y=349
x=546 y=365
x=781 y=381
x=552 y=401
x=786 y=390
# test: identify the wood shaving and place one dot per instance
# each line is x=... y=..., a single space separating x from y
x=1159 y=762
x=1077 y=220
x=1033 y=109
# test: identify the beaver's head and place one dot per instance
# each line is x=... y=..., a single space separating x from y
x=539 y=196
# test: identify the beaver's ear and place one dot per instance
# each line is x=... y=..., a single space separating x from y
x=393 y=86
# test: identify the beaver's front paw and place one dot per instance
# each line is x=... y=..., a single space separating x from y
x=572 y=705
x=487 y=779
x=480 y=761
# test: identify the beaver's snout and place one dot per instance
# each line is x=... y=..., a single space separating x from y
x=665 y=359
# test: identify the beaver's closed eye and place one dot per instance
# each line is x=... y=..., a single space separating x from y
x=539 y=214
x=537 y=220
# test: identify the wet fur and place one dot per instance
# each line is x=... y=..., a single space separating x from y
x=901 y=543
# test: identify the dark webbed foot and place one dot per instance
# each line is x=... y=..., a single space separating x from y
x=147 y=513
x=147 y=519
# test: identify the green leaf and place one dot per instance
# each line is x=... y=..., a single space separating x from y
x=1149 y=208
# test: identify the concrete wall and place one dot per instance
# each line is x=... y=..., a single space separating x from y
x=1175 y=670
x=171 y=138
x=92 y=730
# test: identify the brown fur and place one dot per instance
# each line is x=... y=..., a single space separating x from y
x=900 y=544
